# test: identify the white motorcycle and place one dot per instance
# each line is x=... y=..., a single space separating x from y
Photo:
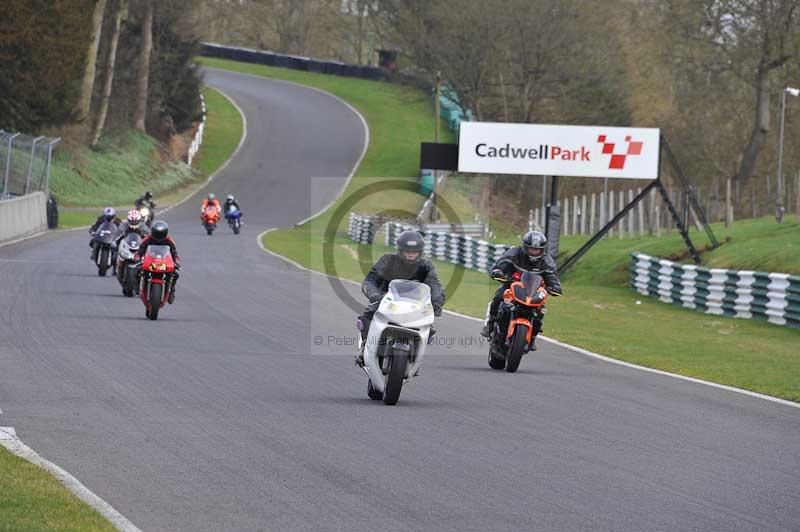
x=127 y=268
x=397 y=338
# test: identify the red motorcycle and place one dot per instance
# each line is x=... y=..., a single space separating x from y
x=210 y=218
x=156 y=279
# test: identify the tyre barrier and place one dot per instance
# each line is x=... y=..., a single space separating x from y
x=771 y=297
x=457 y=248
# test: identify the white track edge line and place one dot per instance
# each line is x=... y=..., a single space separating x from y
x=10 y=441
x=576 y=349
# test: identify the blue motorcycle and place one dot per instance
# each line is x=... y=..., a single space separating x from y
x=234 y=217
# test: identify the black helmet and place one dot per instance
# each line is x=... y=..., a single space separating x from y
x=410 y=245
x=534 y=244
x=159 y=230
x=148 y=195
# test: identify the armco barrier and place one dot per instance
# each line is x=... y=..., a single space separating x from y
x=23 y=216
x=249 y=55
x=197 y=141
x=774 y=297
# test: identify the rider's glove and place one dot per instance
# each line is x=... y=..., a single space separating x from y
x=437 y=311
x=554 y=293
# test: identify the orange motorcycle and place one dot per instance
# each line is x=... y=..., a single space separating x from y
x=519 y=317
x=210 y=217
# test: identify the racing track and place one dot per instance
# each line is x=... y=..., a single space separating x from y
x=217 y=417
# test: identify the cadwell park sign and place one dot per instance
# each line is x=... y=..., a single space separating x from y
x=536 y=149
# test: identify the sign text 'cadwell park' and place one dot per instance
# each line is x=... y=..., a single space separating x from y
x=535 y=149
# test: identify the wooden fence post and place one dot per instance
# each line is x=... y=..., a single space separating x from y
x=622 y=221
x=584 y=215
x=577 y=214
x=565 y=216
x=610 y=211
x=728 y=204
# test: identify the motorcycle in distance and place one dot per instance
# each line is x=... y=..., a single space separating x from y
x=103 y=254
x=147 y=215
x=127 y=266
x=157 y=268
x=210 y=218
x=397 y=338
x=518 y=318
x=234 y=217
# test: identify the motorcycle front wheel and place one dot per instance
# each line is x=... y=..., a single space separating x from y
x=394 y=381
x=102 y=265
x=518 y=344
x=156 y=293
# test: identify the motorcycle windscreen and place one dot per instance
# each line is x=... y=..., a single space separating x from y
x=401 y=290
x=158 y=252
x=133 y=241
x=531 y=283
x=105 y=233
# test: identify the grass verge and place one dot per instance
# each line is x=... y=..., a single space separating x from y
x=224 y=128
x=33 y=501
x=599 y=312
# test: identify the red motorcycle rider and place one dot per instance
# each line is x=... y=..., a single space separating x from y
x=159 y=237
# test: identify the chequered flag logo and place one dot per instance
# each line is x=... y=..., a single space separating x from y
x=618 y=159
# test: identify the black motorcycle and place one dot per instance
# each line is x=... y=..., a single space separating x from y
x=102 y=250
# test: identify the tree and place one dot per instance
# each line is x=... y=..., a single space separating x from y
x=143 y=67
x=119 y=7
x=746 y=43
x=42 y=52
x=87 y=86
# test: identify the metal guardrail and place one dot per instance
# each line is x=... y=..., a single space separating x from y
x=261 y=57
x=773 y=297
x=24 y=163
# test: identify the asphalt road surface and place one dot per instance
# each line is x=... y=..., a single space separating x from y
x=225 y=414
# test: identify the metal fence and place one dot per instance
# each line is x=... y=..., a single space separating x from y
x=774 y=297
x=24 y=163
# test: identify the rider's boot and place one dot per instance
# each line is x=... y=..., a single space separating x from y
x=362 y=341
x=488 y=327
x=488 y=322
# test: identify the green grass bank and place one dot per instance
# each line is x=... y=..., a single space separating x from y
x=31 y=500
x=120 y=172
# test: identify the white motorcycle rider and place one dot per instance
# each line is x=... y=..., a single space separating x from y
x=405 y=295
x=397 y=338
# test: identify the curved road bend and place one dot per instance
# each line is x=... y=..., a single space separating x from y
x=224 y=415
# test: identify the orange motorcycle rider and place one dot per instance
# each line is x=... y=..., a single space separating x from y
x=210 y=201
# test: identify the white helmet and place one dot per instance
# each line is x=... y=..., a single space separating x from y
x=134 y=218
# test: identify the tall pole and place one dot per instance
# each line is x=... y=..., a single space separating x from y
x=436 y=104
x=779 y=210
x=779 y=202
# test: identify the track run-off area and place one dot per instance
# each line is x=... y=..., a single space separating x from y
x=225 y=415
